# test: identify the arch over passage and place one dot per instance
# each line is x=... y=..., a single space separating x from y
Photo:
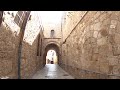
x=54 y=47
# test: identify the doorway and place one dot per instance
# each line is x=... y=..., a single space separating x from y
x=54 y=48
x=51 y=57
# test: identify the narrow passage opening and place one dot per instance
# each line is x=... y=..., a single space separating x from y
x=51 y=57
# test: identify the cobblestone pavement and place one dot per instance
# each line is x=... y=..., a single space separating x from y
x=52 y=71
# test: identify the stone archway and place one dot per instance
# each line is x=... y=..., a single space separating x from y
x=54 y=47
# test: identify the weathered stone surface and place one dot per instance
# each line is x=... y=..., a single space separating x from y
x=90 y=43
x=103 y=76
x=95 y=34
x=100 y=54
x=113 y=16
x=104 y=67
x=97 y=26
x=9 y=44
x=103 y=16
x=1 y=68
x=103 y=32
x=102 y=41
x=6 y=67
x=113 y=60
x=116 y=50
x=117 y=39
x=113 y=77
x=116 y=70
x=112 y=31
x=114 y=22
x=118 y=27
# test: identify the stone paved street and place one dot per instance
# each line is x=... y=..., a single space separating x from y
x=52 y=71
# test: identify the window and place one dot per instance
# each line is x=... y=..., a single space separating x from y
x=38 y=45
x=1 y=15
x=41 y=47
x=19 y=18
x=52 y=33
x=12 y=15
x=29 y=18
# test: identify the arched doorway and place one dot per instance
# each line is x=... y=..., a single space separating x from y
x=51 y=57
x=54 y=48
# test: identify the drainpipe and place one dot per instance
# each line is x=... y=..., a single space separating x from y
x=22 y=29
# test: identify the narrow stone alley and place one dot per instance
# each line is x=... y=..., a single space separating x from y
x=60 y=44
x=52 y=71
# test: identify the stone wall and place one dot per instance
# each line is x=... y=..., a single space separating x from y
x=9 y=44
x=69 y=20
x=92 y=50
x=30 y=61
x=57 y=30
x=9 y=40
x=50 y=40
x=51 y=21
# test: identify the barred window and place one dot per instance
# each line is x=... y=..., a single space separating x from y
x=19 y=18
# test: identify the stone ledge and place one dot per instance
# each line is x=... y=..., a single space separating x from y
x=87 y=74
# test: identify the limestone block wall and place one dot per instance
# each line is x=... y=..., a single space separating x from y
x=50 y=40
x=92 y=50
x=30 y=58
x=51 y=20
x=9 y=40
x=9 y=44
x=56 y=27
x=69 y=21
